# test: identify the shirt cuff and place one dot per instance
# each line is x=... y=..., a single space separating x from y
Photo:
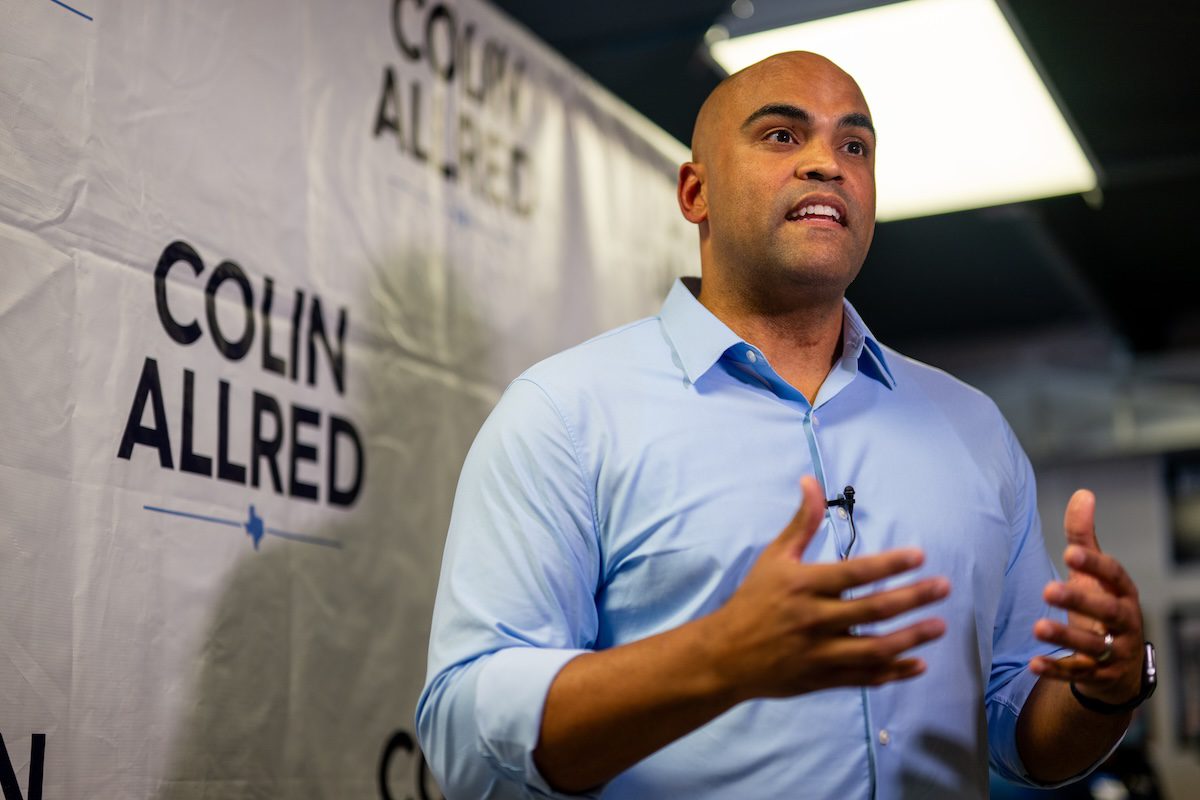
x=510 y=697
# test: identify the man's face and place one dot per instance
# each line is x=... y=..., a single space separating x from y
x=790 y=177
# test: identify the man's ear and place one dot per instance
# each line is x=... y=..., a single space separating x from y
x=691 y=192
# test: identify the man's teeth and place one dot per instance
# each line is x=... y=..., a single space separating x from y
x=818 y=211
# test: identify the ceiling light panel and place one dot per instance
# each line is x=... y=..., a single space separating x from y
x=964 y=119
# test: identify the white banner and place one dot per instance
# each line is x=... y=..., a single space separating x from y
x=265 y=268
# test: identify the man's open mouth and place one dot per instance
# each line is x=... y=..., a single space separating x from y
x=826 y=211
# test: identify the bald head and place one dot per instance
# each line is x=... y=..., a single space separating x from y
x=787 y=134
x=722 y=107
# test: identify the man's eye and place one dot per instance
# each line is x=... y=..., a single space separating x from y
x=782 y=136
x=856 y=148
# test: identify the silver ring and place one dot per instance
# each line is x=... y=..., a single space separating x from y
x=1108 y=649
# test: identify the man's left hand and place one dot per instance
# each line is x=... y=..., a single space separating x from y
x=1099 y=597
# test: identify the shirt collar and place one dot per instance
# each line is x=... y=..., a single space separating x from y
x=700 y=339
x=861 y=345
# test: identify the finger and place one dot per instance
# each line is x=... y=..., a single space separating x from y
x=833 y=579
x=1079 y=522
x=843 y=614
x=879 y=651
x=799 y=532
x=1101 y=606
x=1082 y=641
x=1072 y=668
x=899 y=670
x=1102 y=567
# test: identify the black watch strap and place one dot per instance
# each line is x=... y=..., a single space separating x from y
x=1149 y=684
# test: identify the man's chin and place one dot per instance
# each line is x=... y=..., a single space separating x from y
x=793 y=286
x=823 y=276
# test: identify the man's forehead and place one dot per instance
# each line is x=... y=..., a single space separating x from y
x=802 y=79
x=798 y=79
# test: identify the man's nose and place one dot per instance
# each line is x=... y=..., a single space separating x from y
x=818 y=162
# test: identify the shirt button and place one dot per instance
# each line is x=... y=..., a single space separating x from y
x=751 y=357
x=842 y=513
x=884 y=737
x=816 y=422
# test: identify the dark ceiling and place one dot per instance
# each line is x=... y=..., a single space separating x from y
x=1126 y=261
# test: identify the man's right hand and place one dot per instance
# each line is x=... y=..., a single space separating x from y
x=785 y=631
x=788 y=629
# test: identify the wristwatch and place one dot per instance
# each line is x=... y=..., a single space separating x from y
x=1149 y=684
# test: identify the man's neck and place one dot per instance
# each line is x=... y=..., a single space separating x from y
x=802 y=341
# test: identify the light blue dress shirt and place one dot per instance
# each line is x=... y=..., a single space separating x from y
x=625 y=486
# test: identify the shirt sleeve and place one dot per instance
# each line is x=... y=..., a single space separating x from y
x=1013 y=643
x=515 y=599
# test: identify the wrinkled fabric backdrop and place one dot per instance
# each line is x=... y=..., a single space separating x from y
x=265 y=269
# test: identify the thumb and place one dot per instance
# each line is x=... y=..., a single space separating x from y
x=1079 y=522
x=799 y=532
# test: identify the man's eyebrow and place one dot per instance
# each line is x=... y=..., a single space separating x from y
x=856 y=120
x=797 y=114
x=778 y=110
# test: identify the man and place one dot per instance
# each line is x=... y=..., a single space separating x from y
x=630 y=605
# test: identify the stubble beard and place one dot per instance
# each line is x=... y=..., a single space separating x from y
x=783 y=278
